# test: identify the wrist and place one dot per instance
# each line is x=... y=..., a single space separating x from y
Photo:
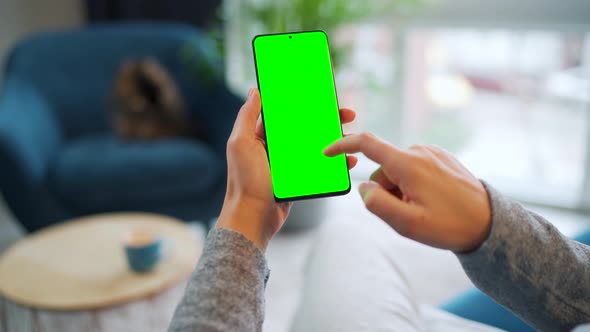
x=247 y=217
x=482 y=225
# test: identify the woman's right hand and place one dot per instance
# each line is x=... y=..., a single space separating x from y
x=423 y=193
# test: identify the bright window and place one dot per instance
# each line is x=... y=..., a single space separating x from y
x=512 y=105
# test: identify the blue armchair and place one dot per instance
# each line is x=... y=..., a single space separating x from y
x=59 y=157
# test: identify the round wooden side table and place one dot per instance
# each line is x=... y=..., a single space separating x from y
x=74 y=276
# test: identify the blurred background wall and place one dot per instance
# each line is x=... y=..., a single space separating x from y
x=22 y=17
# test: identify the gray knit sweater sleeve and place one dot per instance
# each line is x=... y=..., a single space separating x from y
x=226 y=290
x=528 y=266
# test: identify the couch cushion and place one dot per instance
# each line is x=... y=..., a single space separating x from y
x=102 y=172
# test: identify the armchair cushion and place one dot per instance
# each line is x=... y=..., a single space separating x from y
x=103 y=172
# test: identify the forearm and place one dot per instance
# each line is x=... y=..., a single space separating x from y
x=528 y=266
x=226 y=291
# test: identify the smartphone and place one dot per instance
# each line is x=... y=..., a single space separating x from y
x=300 y=114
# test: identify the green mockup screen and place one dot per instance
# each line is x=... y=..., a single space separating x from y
x=300 y=114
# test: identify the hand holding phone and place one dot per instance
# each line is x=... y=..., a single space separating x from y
x=300 y=115
x=249 y=207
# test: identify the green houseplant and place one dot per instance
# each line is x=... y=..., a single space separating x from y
x=243 y=19
x=292 y=15
x=270 y=16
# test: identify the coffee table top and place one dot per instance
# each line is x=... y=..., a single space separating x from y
x=81 y=264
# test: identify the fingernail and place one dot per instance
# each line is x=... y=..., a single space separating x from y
x=250 y=92
x=365 y=188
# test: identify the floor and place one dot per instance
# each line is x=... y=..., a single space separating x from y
x=288 y=251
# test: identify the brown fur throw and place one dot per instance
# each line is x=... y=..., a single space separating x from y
x=147 y=103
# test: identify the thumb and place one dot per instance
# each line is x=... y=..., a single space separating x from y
x=400 y=215
x=248 y=114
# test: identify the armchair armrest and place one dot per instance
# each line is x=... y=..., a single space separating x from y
x=30 y=136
